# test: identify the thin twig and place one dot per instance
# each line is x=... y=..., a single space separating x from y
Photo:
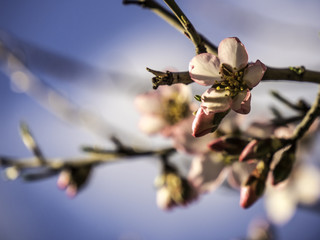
x=169 y=78
x=171 y=19
x=190 y=31
x=306 y=122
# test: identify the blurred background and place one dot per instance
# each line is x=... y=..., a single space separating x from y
x=95 y=54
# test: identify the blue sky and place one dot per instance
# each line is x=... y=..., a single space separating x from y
x=112 y=44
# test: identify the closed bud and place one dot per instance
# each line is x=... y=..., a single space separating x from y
x=254 y=186
x=284 y=167
x=72 y=179
x=229 y=144
x=260 y=149
x=173 y=190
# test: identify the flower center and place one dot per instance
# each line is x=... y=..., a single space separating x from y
x=175 y=109
x=230 y=80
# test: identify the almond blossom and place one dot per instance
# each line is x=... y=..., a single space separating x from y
x=168 y=111
x=231 y=78
x=208 y=171
x=164 y=108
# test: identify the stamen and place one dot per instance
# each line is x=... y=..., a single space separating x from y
x=231 y=80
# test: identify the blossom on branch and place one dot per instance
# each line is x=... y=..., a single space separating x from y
x=164 y=108
x=168 y=111
x=208 y=171
x=231 y=78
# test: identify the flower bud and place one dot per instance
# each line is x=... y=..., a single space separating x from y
x=284 y=167
x=173 y=190
x=229 y=144
x=254 y=186
x=260 y=149
x=73 y=179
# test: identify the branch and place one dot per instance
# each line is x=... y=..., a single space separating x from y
x=169 y=78
x=299 y=74
x=190 y=31
x=52 y=166
x=306 y=122
x=171 y=19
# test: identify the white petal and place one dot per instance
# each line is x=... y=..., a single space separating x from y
x=307 y=184
x=254 y=73
x=215 y=101
x=241 y=103
x=232 y=52
x=151 y=124
x=149 y=103
x=163 y=198
x=240 y=172
x=204 y=69
x=280 y=205
x=207 y=172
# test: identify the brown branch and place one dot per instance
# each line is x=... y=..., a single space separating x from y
x=171 y=19
x=299 y=74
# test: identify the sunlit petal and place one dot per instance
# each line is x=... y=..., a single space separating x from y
x=233 y=53
x=204 y=69
x=254 y=73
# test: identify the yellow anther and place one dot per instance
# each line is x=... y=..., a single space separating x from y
x=218 y=88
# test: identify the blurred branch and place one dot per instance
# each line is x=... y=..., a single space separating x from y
x=301 y=106
x=27 y=82
x=171 y=19
x=309 y=118
x=52 y=166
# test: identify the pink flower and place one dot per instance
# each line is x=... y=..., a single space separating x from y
x=230 y=76
x=164 y=108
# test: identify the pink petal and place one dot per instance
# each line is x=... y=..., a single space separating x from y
x=202 y=124
x=204 y=69
x=71 y=191
x=232 y=52
x=215 y=101
x=64 y=179
x=184 y=141
x=241 y=102
x=180 y=90
x=248 y=152
x=151 y=124
x=254 y=73
x=207 y=172
x=247 y=196
x=149 y=103
x=240 y=172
